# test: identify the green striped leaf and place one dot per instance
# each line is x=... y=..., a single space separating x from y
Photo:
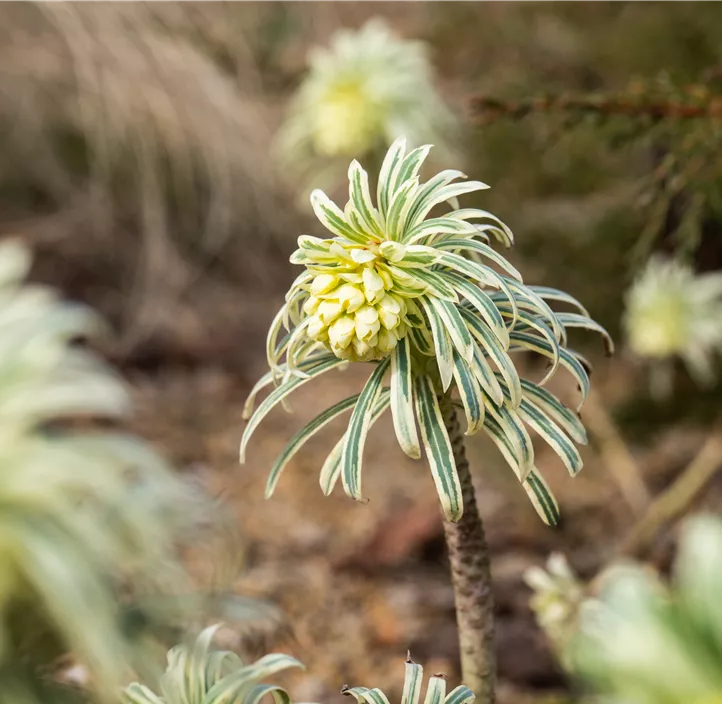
x=525 y=295
x=331 y=470
x=333 y=218
x=401 y=202
x=360 y=196
x=542 y=498
x=521 y=340
x=140 y=694
x=574 y=320
x=501 y=440
x=364 y=695
x=389 y=171
x=496 y=352
x=426 y=191
x=550 y=405
x=438 y=450
x=485 y=251
x=441 y=195
x=422 y=341
x=519 y=440
x=438 y=226
x=358 y=428
x=435 y=284
x=413 y=677
x=227 y=688
x=483 y=303
x=435 y=691
x=553 y=435
x=478 y=272
x=402 y=401
x=455 y=326
x=460 y=695
x=442 y=344
x=484 y=374
x=470 y=394
x=504 y=232
x=321 y=366
x=412 y=163
x=553 y=294
x=300 y=438
x=256 y=694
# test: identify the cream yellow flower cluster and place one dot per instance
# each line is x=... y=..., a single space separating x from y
x=359 y=311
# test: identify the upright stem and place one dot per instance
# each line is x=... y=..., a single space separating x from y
x=471 y=576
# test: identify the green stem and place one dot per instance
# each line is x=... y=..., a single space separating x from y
x=471 y=576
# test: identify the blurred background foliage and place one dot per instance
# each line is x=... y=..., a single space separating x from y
x=140 y=164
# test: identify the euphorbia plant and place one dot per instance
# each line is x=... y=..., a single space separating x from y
x=415 y=296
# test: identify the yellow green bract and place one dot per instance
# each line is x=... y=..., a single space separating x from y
x=200 y=675
x=422 y=293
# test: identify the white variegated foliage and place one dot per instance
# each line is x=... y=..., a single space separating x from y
x=199 y=675
x=413 y=681
x=436 y=308
x=82 y=507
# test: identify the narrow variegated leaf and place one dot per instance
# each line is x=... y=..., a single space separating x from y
x=442 y=194
x=519 y=439
x=496 y=352
x=483 y=303
x=484 y=374
x=527 y=295
x=422 y=341
x=360 y=196
x=478 y=272
x=321 y=365
x=455 y=326
x=558 y=412
x=418 y=256
x=227 y=688
x=573 y=320
x=521 y=340
x=389 y=171
x=552 y=294
x=484 y=250
x=506 y=235
x=358 y=427
x=412 y=163
x=401 y=202
x=140 y=694
x=435 y=691
x=333 y=218
x=501 y=440
x=364 y=695
x=331 y=470
x=438 y=448
x=402 y=401
x=442 y=344
x=460 y=695
x=542 y=498
x=438 y=226
x=300 y=438
x=470 y=394
x=413 y=678
x=435 y=284
x=259 y=691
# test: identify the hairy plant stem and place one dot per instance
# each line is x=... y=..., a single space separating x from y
x=470 y=575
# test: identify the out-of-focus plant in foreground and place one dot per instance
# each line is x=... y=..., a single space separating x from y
x=644 y=642
x=199 y=675
x=366 y=89
x=673 y=312
x=85 y=511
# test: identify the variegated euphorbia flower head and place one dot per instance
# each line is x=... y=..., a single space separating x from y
x=368 y=87
x=673 y=312
x=425 y=297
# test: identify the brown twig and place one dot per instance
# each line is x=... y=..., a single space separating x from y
x=616 y=455
x=486 y=109
x=676 y=498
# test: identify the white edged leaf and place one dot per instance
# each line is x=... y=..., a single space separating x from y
x=360 y=196
x=470 y=394
x=553 y=294
x=435 y=691
x=455 y=326
x=438 y=448
x=389 y=171
x=334 y=219
x=547 y=403
x=520 y=443
x=442 y=344
x=574 y=320
x=413 y=678
x=542 y=498
x=460 y=695
x=402 y=401
x=485 y=251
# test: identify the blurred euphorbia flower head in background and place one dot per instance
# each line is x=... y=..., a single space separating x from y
x=364 y=90
x=673 y=312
